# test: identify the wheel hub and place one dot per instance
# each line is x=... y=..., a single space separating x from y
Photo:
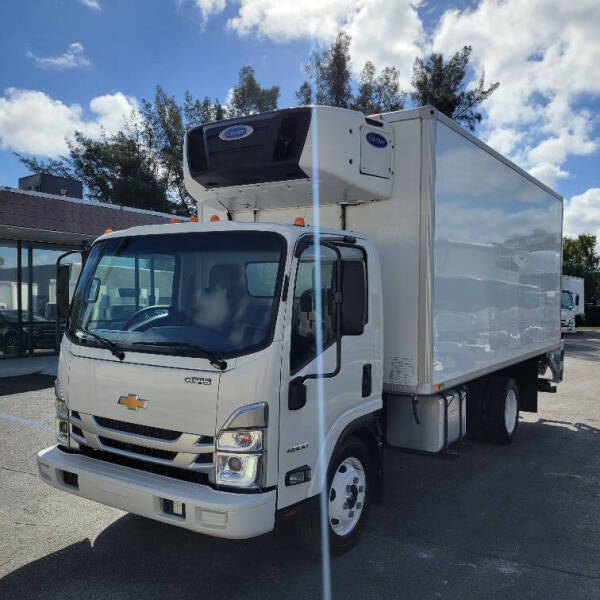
x=347 y=496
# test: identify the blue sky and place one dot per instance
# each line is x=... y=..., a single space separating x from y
x=67 y=64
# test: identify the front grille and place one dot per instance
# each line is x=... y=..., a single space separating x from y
x=204 y=458
x=145 y=430
x=135 y=449
x=126 y=461
x=77 y=431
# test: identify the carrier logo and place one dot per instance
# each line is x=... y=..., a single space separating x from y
x=132 y=401
x=235 y=132
x=376 y=139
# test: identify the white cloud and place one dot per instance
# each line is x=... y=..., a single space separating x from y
x=73 y=57
x=34 y=123
x=582 y=214
x=93 y=4
x=383 y=31
x=209 y=7
x=546 y=55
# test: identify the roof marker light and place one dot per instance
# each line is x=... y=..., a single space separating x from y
x=214 y=218
x=174 y=220
x=108 y=230
x=194 y=219
x=299 y=221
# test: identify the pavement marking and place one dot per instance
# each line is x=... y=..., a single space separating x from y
x=27 y=422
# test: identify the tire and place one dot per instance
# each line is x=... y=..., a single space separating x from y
x=503 y=410
x=11 y=344
x=350 y=485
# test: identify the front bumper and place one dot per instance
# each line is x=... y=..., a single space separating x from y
x=209 y=511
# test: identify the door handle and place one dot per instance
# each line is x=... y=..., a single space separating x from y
x=366 y=380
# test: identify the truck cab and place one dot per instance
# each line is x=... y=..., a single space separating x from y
x=567 y=312
x=136 y=391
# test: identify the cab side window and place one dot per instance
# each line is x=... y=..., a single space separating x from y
x=316 y=273
x=307 y=321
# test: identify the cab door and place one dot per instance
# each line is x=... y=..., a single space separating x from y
x=335 y=387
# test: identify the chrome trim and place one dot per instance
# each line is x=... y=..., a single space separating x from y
x=187 y=446
x=248 y=417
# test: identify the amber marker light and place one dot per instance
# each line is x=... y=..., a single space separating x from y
x=299 y=221
x=214 y=218
x=193 y=219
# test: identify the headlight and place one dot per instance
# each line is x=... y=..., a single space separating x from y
x=240 y=448
x=238 y=470
x=62 y=417
x=241 y=440
x=61 y=409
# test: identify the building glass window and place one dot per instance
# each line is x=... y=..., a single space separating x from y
x=42 y=296
x=11 y=333
x=28 y=297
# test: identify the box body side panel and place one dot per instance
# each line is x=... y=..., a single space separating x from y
x=393 y=226
x=497 y=262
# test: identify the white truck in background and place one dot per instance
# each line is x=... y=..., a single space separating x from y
x=358 y=282
x=572 y=309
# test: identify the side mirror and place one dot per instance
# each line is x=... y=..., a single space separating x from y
x=62 y=292
x=296 y=394
x=354 y=297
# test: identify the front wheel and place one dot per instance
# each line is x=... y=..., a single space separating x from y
x=350 y=485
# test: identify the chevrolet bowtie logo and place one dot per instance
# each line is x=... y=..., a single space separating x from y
x=132 y=401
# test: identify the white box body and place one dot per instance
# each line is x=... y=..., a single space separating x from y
x=469 y=243
x=403 y=431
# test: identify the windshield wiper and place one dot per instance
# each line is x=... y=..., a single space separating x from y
x=219 y=363
x=115 y=350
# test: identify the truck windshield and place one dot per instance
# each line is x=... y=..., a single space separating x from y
x=218 y=291
x=566 y=300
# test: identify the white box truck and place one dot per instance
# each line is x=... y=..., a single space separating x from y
x=370 y=282
x=572 y=309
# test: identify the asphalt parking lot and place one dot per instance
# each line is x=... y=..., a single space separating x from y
x=500 y=522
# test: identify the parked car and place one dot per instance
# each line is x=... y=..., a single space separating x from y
x=42 y=333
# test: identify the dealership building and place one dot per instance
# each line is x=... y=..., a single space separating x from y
x=36 y=227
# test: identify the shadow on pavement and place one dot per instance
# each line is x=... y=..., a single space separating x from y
x=583 y=344
x=500 y=522
x=25 y=383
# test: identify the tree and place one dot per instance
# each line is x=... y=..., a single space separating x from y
x=442 y=85
x=141 y=165
x=580 y=259
x=248 y=97
x=116 y=169
x=378 y=94
x=329 y=72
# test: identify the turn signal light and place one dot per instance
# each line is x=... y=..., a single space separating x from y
x=214 y=218
x=299 y=221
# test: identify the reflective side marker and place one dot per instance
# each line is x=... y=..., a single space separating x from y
x=299 y=475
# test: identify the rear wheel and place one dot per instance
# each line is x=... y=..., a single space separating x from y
x=503 y=410
x=350 y=485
